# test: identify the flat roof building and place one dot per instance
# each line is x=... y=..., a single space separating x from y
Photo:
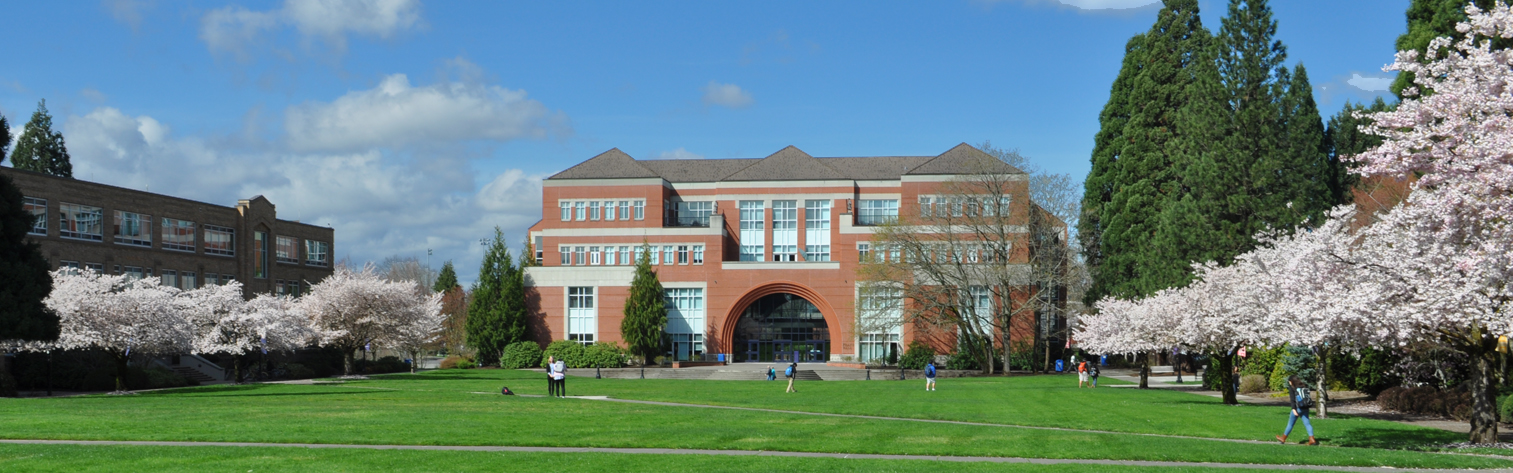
x=758 y=257
x=185 y=243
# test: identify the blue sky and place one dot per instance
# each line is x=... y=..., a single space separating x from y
x=410 y=126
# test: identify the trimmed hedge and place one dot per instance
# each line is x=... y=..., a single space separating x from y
x=521 y=354
x=917 y=356
x=602 y=355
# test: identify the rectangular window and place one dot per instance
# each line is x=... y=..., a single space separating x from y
x=625 y=256
x=694 y=214
x=593 y=210
x=698 y=254
x=656 y=255
x=73 y=265
x=878 y=211
x=278 y=287
x=260 y=255
x=580 y=211
x=317 y=253
x=567 y=255
x=581 y=326
x=816 y=230
x=785 y=230
x=593 y=255
x=864 y=252
x=227 y=279
x=925 y=206
x=169 y=278
x=220 y=241
x=186 y=281
x=96 y=267
x=609 y=210
x=625 y=210
x=880 y=313
x=81 y=221
x=540 y=250
x=567 y=210
x=210 y=279
x=579 y=257
x=685 y=321
x=133 y=273
x=177 y=234
x=609 y=255
x=682 y=254
x=38 y=209
x=640 y=210
x=133 y=229
x=753 y=230
x=293 y=288
x=1003 y=206
x=668 y=256
x=287 y=249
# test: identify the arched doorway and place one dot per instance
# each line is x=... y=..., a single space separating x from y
x=781 y=328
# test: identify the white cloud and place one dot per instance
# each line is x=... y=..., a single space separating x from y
x=726 y=95
x=381 y=203
x=679 y=153
x=234 y=28
x=1369 y=84
x=395 y=114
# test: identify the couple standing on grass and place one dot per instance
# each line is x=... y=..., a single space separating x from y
x=556 y=377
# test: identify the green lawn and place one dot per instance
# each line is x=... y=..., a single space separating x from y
x=60 y=458
x=439 y=408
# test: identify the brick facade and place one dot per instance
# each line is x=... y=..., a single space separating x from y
x=115 y=256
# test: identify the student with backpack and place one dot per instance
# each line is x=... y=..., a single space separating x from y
x=930 y=376
x=551 y=376
x=559 y=373
x=792 y=372
x=1081 y=373
x=1092 y=371
x=1301 y=401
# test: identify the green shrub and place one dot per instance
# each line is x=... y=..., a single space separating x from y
x=604 y=355
x=1505 y=408
x=1372 y=371
x=157 y=377
x=466 y=364
x=917 y=356
x=388 y=364
x=1299 y=361
x=1253 y=383
x=566 y=350
x=521 y=354
x=451 y=362
x=1259 y=361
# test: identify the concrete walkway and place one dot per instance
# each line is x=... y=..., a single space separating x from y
x=678 y=451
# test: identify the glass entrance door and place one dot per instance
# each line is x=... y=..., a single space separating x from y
x=782 y=328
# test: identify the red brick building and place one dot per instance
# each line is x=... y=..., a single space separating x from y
x=759 y=257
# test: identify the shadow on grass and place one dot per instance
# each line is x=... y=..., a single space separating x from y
x=1397 y=439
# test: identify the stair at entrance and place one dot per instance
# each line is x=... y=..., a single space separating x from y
x=192 y=374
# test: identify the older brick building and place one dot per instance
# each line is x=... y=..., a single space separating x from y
x=759 y=257
x=185 y=243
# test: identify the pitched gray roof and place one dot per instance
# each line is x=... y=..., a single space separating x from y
x=788 y=164
x=612 y=164
x=964 y=159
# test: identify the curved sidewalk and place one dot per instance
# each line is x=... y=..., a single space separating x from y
x=677 y=451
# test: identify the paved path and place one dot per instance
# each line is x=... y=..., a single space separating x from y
x=679 y=451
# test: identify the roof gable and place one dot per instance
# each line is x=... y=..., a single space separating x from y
x=964 y=159
x=612 y=164
x=788 y=164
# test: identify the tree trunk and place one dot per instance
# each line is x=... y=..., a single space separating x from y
x=987 y=355
x=1483 y=395
x=1324 y=383
x=121 y=359
x=348 y=362
x=236 y=368
x=1145 y=371
x=1227 y=387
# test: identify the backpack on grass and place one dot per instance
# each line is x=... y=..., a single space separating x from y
x=506 y=391
x=1304 y=398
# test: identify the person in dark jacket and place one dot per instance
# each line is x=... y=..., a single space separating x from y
x=772 y=374
x=792 y=373
x=1297 y=395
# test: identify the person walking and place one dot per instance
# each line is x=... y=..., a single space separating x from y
x=772 y=374
x=551 y=376
x=792 y=372
x=1092 y=372
x=1301 y=400
x=930 y=376
x=559 y=370
x=1081 y=373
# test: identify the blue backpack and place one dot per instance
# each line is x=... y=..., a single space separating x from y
x=930 y=371
x=788 y=372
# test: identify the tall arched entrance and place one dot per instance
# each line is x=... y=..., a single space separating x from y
x=781 y=327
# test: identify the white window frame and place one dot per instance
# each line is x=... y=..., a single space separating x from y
x=785 y=230
x=172 y=230
x=753 y=228
x=640 y=210
x=32 y=205
x=567 y=210
x=687 y=316
x=581 y=323
x=609 y=211
x=876 y=211
x=817 y=230
x=580 y=211
x=137 y=228
x=593 y=210
x=625 y=210
x=230 y=234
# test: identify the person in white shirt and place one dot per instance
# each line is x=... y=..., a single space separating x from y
x=559 y=373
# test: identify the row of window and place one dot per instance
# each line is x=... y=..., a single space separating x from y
x=605 y=210
x=83 y=222
x=685 y=319
x=185 y=280
x=594 y=255
x=959 y=206
x=940 y=253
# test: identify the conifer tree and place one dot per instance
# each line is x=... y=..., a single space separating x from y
x=5 y=138
x=645 y=310
x=24 y=281
x=495 y=313
x=1344 y=137
x=447 y=280
x=1305 y=156
x=1103 y=178
x=1429 y=19
x=41 y=149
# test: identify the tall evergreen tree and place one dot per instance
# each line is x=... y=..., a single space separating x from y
x=645 y=310
x=40 y=148
x=1103 y=178
x=5 y=138
x=1305 y=157
x=495 y=317
x=24 y=281
x=1141 y=174
x=1343 y=137
x=1429 y=19
x=1186 y=234
x=447 y=280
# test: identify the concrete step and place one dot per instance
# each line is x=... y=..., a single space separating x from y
x=192 y=374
